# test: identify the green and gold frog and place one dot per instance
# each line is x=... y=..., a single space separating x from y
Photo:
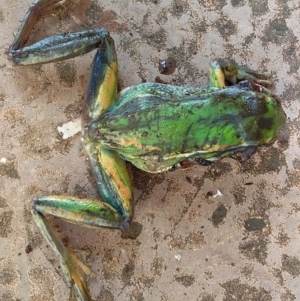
x=156 y=127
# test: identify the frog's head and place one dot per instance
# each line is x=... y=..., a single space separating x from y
x=222 y=72
x=271 y=114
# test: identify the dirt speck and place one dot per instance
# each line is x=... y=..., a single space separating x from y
x=146 y=181
x=283 y=239
x=237 y=2
x=239 y=193
x=226 y=26
x=128 y=272
x=185 y=280
x=195 y=240
x=12 y=115
x=167 y=66
x=3 y=202
x=255 y=248
x=259 y=7
x=28 y=249
x=92 y=15
x=271 y=160
x=179 y=7
x=277 y=31
x=137 y=295
x=157 y=266
x=8 y=275
x=8 y=296
x=106 y=295
x=66 y=73
x=247 y=271
x=219 y=215
x=213 y=4
x=254 y=224
x=9 y=169
x=156 y=39
x=287 y=296
x=1 y=16
x=290 y=264
x=235 y=290
x=5 y=223
x=207 y=297
x=73 y=110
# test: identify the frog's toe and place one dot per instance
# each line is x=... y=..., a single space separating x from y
x=245 y=73
x=245 y=154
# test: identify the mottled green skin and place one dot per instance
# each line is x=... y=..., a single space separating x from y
x=170 y=123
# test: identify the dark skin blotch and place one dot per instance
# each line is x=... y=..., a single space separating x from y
x=265 y=123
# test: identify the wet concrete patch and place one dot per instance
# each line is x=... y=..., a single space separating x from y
x=235 y=290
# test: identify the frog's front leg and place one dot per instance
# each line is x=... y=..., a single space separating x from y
x=226 y=72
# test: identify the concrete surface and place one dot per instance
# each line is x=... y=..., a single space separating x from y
x=186 y=244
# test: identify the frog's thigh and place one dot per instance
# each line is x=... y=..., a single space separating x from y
x=113 y=180
x=102 y=88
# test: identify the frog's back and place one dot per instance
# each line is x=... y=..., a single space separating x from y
x=157 y=130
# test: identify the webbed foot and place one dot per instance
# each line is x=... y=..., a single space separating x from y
x=74 y=269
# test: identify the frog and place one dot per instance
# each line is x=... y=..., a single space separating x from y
x=155 y=127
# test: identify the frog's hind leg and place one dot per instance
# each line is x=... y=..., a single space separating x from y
x=54 y=48
x=115 y=211
x=102 y=87
x=109 y=169
x=226 y=72
x=74 y=270
x=38 y=10
x=113 y=181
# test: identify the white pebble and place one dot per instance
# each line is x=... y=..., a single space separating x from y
x=70 y=128
x=177 y=257
x=219 y=193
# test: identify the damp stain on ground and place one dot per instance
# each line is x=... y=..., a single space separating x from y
x=185 y=280
x=235 y=290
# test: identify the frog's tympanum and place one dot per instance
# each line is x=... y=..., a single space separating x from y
x=153 y=126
